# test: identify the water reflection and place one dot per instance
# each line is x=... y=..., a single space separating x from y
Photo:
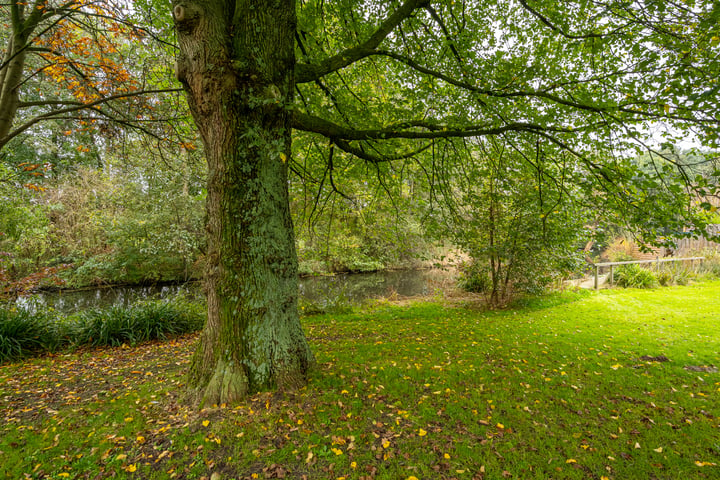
x=319 y=291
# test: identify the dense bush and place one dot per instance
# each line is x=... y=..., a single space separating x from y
x=23 y=333
x=634 y=276
x=475 y=277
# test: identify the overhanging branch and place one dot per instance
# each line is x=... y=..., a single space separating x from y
x=305 y=73
x=418 y=129
x=74 y=108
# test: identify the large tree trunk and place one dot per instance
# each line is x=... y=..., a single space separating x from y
x=237 y=65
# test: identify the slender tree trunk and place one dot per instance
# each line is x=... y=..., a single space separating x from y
x=10 y=79
x=237 y=66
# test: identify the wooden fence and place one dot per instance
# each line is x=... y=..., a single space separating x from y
x=688 y=245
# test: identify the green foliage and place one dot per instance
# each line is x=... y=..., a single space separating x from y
x=475 y=277
x=337 y=304
x=150 y=320
x=24 y=333
x=521 y=228
x=635 y=276
x=131 y=225
x=347 y=223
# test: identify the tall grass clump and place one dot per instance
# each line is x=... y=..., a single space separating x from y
x=675 y=275
x=141 y=322
x=634 y=276
x=28 y=332
x=24 y=333
x=710 y=267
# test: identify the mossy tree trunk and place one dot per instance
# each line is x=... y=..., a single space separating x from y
x=236 y=63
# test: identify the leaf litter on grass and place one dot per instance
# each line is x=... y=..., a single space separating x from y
x=418 y=391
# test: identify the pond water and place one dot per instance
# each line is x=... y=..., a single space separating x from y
x=314 y=291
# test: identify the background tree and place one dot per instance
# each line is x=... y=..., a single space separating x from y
x=518 y=214
x=73 y=68
x=352 y=217
x=387 y=82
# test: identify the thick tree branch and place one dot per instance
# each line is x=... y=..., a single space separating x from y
x=363 y=155
x=305 y=73
x=421 y=129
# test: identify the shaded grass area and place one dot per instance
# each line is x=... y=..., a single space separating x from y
x=617 y=385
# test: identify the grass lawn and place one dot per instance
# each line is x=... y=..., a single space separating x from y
x=619 y=384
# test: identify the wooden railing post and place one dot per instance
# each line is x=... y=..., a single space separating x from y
x=597 y=269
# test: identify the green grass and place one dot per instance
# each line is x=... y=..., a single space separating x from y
x=561 y=387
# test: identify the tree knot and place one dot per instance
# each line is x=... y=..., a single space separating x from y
x=186 y=17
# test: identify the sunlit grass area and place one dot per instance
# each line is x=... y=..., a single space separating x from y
x=618 y=384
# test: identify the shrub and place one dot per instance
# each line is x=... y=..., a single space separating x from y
x=634 y=276
x=620 y=250
x=474 y=277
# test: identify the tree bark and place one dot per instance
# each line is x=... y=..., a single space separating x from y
x=236 y=63
x=13 y=63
